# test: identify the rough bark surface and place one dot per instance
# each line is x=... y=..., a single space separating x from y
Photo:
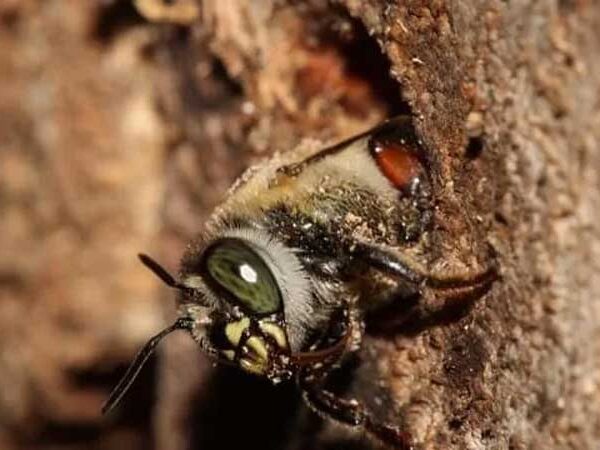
x=120 y=132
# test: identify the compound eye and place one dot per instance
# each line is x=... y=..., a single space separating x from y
x=242 y=273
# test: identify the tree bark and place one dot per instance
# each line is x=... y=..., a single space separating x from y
x=120 y=132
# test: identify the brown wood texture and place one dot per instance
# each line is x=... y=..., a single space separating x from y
x=120 y=134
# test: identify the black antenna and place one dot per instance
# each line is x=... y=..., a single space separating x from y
x=183 y=323
x=161 y=272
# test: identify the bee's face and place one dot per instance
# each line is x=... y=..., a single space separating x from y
x=252 y=304
x=243 y=322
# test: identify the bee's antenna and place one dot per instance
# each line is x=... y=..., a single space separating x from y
x=161 y=272
x=183 y=323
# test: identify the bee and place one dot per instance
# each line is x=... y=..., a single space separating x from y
x=304 y=244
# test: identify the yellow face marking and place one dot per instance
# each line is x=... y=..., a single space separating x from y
x=229 y=354
x=258 y=346
x=252 y=366
x=276 y=332
x=234 y=330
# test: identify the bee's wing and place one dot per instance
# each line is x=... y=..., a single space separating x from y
x=399 y=124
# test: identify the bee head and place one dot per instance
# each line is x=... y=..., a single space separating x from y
x=236 y=289
x=244 y=298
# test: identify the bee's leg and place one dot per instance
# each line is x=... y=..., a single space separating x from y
x=393 y=265
x=349 y=412
x=425 y=299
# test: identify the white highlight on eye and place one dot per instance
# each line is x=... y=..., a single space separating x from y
x=248 y=273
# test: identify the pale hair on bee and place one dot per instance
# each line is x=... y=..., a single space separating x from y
x=302 y=246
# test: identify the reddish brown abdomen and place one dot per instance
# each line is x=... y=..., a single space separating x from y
x=396 y=162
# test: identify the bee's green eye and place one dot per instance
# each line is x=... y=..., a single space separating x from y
x=239 y=270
